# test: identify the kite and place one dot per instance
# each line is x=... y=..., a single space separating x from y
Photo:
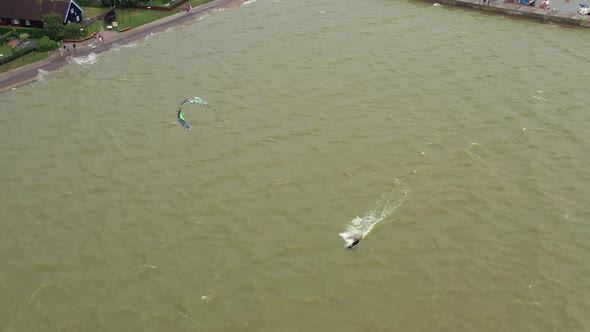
x=180 y=116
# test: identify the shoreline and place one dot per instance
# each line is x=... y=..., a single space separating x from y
x=30 y=73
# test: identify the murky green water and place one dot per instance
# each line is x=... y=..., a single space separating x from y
x=465 y=135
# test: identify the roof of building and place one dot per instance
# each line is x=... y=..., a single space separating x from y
x=32 y=9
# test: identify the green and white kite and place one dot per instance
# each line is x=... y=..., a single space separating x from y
x=180 y=116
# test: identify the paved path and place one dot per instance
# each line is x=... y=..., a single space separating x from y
x=30 y=72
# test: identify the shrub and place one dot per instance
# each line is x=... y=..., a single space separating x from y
x=17 y=54
x=5 y=29
x=23 y=37
x=5 y=37
x=118 y=4
x=45 y=44
x=32 y=32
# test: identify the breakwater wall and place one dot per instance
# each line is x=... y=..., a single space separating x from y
x=521 y=11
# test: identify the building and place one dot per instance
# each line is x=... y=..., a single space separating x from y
x=29 y=13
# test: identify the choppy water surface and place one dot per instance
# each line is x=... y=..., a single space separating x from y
x=456 y=141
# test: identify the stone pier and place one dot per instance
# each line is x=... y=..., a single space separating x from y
x=522 y=11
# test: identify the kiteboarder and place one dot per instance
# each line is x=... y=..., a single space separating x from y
x=354 y=242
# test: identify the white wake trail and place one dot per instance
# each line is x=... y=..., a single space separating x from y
x=360 y=227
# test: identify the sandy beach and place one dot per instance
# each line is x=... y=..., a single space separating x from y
x=30 y=72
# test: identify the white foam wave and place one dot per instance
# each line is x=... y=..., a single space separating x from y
x=360 y=227
x=83 y=60
x=41 y=74
x=203 y=16
x=539 y=96
x=249 y=2
x=530 y=131
x=117 y=47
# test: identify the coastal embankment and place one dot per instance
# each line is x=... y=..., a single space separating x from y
x=521 y=11
x=30 y=72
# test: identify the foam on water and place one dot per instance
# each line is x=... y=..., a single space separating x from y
x=204 y=16
x=41 y=74
x=360 y=227
x=118 y=47
x=83 y=60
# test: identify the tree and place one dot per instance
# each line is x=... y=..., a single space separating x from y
x=84 y=3
x=129 y=3
x=72 y=30
x=53 y=25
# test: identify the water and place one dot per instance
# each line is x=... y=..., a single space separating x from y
x=464 y=136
